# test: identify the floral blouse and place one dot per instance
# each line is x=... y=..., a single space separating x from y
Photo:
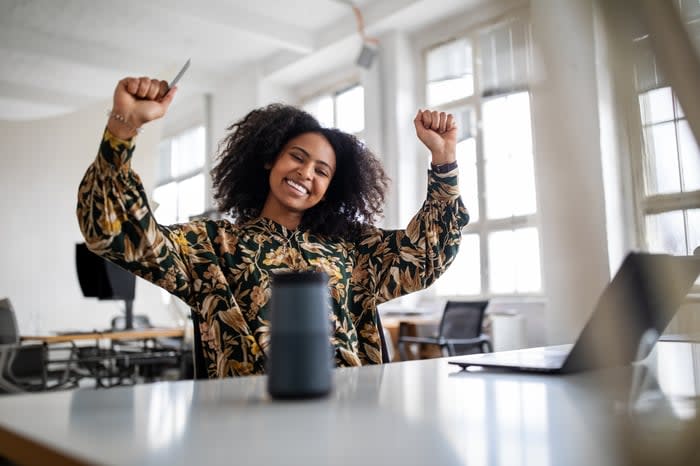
x=222 y=270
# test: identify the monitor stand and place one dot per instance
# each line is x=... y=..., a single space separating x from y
x=129 y=314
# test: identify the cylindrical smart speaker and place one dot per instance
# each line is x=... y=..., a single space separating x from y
x=300 y=363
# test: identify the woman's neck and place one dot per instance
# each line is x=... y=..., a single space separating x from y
x=289 y=220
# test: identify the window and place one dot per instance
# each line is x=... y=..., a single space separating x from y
x=671 y=168
x=450 y=72
x=499 y=254
x=344 y=109
x=669 y=187
x=180 y=191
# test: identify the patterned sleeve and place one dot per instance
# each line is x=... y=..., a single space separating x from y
x=398 y=262
x=117 y=223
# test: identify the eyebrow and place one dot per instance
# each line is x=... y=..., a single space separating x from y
x=315 y=160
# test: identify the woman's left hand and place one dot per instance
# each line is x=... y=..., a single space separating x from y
x=438 y=131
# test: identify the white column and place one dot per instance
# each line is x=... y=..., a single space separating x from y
x=395 y=68
x=210 y=147
x=568 y=167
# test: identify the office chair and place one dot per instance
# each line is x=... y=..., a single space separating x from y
x=24 y=367
x=150 y=359
x=387 y=349
x=459 y=331
x=200 y=368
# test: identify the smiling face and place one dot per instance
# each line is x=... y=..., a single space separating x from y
x=299 y=178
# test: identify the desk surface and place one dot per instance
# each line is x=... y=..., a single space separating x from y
x=136 y=334
x=410 y=413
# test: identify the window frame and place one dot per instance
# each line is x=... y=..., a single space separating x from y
x=333 y=92
x=659 y=203
x=483 y=227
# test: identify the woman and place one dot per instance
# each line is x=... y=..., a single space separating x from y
x=303 y=197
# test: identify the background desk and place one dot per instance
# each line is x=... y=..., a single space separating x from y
x=412 y=413
x=136 y=334
x=131 y=355
x=426 y=322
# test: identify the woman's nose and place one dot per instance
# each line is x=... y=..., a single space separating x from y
x=306 y=170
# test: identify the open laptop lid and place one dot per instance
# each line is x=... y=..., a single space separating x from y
x=644 y=294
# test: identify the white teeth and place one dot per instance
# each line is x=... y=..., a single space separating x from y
x=297 y=186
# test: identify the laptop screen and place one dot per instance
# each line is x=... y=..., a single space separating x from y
x=644 y=294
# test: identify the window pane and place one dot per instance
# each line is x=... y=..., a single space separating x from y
x=495 y=122
x=690 y=157
x=679 y=109
x=656 y=105
x=166 y=197
x=690 y=10
x=523 y=199
x=499 y=183
x=350 y=110
x=666 y=233
x=164 y=160
x=509 y=165
x=647 y=74
x=463 y=277
x=693 y=230
x=440 y=92
x=322 y=109
x=188 y=151
x=662 y=159
x=449 y=72
x=504 y=57
x=190 y=197
x=465 y=121
x=514 y=261
x=468 y=185
x=519 y=127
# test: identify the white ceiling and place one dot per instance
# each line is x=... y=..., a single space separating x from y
x=59 y=55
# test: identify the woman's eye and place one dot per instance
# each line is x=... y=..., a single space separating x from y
x=297 y=157
x=322 y=172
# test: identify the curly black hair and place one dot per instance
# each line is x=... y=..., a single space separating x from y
x=355 y=196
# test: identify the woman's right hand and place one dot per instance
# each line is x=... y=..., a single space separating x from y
x=136 y=102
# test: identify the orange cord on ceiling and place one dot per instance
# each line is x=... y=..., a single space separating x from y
x=361 y=27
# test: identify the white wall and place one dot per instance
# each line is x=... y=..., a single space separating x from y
x=41 y=165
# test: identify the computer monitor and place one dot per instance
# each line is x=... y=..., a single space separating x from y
x=101 y=279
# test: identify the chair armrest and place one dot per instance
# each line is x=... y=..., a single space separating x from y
x=423 y=340
x=467 y=341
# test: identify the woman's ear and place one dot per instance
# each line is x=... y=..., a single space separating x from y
x=267 y=166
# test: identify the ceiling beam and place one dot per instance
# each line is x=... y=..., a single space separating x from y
x=379 y=17
x=376 y=15
x=259 y=27
x=42 y=95
x=74 y=51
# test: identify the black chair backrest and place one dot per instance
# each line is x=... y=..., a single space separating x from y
x=9 y=332
x=382 y=341
x=462 y=319
x=200 y=369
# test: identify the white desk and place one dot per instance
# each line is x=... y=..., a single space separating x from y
x=411 y=413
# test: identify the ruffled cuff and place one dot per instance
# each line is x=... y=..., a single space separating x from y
x=115 y=151
x=443 y=187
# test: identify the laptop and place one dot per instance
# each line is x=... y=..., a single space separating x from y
x=634 y=309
